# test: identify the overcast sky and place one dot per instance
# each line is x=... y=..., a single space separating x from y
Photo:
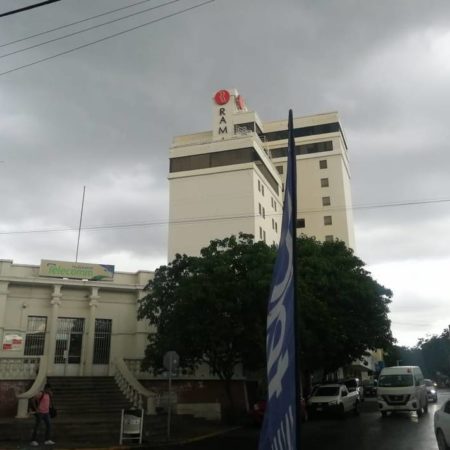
x=104 y=117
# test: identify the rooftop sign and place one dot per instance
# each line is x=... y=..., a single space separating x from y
x=76 y=270
x=222 y=97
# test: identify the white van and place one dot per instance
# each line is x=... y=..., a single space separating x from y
x=402 y=388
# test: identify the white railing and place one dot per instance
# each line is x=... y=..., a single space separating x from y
x=39 y=382
x=23 y=368
x=136 y=393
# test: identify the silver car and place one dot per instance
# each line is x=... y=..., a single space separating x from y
x=442 y=426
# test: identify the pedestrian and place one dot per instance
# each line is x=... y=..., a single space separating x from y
x=41 y=405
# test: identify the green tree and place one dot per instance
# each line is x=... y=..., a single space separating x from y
x=343 y=311
x=211 y=309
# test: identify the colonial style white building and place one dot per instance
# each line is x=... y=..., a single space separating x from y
x=230 y=179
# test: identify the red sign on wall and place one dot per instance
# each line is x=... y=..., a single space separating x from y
x=222 y=97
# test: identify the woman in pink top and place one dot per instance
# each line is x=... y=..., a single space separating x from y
x=41 y=406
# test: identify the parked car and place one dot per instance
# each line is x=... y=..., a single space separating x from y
x=369 y=388
x=333 y=398
x=259 y=409
x=431 y=390
x=353 y=384
x=442 y=426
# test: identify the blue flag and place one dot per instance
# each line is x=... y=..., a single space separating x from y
x=280 y=420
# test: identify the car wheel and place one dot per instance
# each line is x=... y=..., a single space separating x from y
x=419 y=412
x=425 y=408
x=442 y=444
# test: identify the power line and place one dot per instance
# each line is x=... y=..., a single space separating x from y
x=26 y=8
x=107 y=37
x=93 y=27
x=73 y=23
x=206 y=219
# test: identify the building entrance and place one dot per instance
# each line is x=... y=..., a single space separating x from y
x=69 y=346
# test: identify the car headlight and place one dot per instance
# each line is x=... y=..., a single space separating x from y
x=334 y=402
x=433 y=391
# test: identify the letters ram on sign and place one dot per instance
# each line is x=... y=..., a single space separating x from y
x=76 y=270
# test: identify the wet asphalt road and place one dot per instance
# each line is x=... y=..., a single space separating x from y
x=369 y=431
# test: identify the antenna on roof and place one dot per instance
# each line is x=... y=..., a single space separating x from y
x=79 y=227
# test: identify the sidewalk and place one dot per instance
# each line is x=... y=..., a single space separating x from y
x=87 y=434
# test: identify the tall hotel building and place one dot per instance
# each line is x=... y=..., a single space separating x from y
x=230 y=179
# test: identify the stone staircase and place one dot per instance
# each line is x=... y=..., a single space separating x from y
x=87 y=396
x=89 y=413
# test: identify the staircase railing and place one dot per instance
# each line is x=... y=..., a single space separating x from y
x=136 y=393
x=39 y=382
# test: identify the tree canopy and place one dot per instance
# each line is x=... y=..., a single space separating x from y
x=213 y=308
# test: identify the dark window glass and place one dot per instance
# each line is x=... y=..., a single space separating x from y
x=327 y=220
x=224 y=158
x=326 y=201
x=324 y=182
x=323 y=164
x=304 y=149
x=329 y=238
x=102 y=341
x=280 y=169
x=300 y=223
x=35 y=337
x=304 y=131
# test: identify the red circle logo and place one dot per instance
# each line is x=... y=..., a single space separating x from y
x=222 y=97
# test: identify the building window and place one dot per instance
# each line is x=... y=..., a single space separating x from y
x=326 y=201
x=276 y=227
x=259 y=208
x=259 y=185
x=324 y=182
x=329 y=238
x=274 y=205
x=280 y=169
x=264 y=213
x=300 y=223
x=327 y=220
x=323 y=164
x=260 y=233
x=262 y=190
x=273 y=224
x=102 y=341
x=69 y=340
x=264 y=234
x=35 y=337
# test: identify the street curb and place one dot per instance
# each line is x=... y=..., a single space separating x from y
x=206 y=436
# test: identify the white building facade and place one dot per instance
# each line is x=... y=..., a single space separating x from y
x=82 y=326
x=230 y=179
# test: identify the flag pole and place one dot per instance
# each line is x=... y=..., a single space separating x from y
x=298 y=377
x=282 y=418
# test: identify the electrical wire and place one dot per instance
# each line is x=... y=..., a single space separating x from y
x=106 y=38
x=93 y=27
x=26 y=8
x=207 y=219
x=73 y=23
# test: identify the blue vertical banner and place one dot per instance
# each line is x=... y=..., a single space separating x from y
x=279 y=430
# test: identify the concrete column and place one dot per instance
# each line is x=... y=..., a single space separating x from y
x=51 y=332
x=89 y=354
x=3 y=299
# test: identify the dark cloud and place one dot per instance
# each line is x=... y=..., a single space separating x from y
x=105 y=116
